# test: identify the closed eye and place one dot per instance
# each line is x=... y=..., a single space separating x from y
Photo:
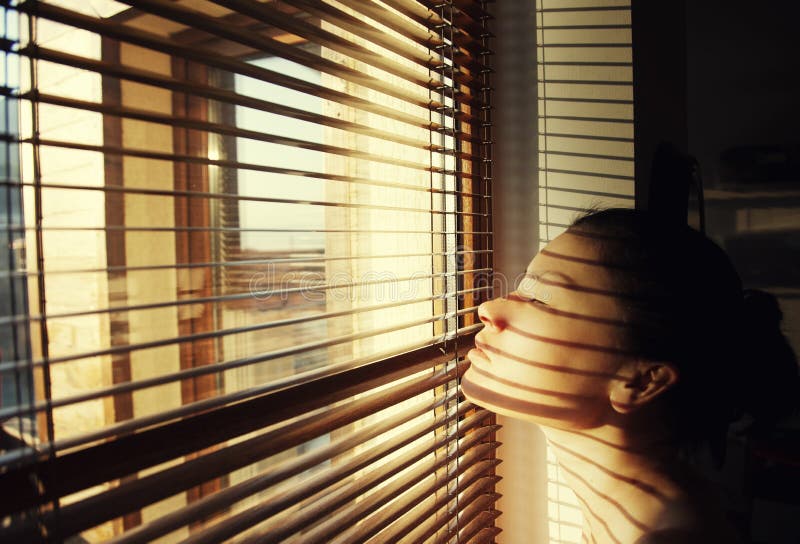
x=521 y=298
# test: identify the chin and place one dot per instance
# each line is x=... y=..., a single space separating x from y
x=477 y=394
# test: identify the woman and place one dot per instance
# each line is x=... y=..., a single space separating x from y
x=624 y=343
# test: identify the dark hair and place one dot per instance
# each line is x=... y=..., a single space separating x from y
x=683 y=303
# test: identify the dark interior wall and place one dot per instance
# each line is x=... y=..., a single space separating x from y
x=659 y=90
x=743 y=84
x=743 y=91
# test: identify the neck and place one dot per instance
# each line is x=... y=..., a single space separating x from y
x=626 y=486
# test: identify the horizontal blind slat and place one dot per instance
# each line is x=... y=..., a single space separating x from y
x=211 y=58
x=127 y=73
x=469 y=7
x=475 y=522
x=243 y=198
x=338 y=525
x=142 y=228
x=399 y=509
x=125 y=427
x=469 y=524
x=219 y=298
x=427 y=14
x=291 y=467
x=353 y=24
x=195 y=19
x=417 y=30
x=338 y=483
x=478 y=492
x=24 y=318
x=486 y=535
x=63 y=475
x=277 y=385
x=218 y=333
x=332 y=524
x=470 y=57
x=194 y=372
x=220 y=196
x=196 y=159
x=266 y=14
x=425 y=518
x=149 y=489
x=423 y=18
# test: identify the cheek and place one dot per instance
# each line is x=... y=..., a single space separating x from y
x=566 y=410
x=559 y=373
x=563 y=338
x=536 y=390
x=535 y=371
x=547 y=354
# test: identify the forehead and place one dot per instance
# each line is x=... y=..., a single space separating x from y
x=573 y=260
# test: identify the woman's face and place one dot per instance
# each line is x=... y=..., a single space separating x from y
x=551 y=351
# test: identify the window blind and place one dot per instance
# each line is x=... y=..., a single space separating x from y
x=586 y=149
x=247 y=241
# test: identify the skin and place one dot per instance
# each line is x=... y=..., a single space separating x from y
x=552 y=353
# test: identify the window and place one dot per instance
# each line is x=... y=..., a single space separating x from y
x=255 y=237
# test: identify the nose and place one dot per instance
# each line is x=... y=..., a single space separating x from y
x=491 y=314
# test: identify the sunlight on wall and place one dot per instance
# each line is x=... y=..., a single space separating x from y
x=585 y=105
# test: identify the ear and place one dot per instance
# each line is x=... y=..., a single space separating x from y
x=647 y=381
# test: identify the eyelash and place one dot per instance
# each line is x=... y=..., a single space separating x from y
x=530 y=300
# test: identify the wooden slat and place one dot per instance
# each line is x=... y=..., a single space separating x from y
x=111 y=29
x=398 y=508
x=64 y=475
x=333 y=527
x=425 y=522
x=334 y=497
x=296 y=465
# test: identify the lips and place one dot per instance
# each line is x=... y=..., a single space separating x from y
x=477 y=353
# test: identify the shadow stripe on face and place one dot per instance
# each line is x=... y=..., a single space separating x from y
x=583 y=260
x=575 y=231
x=583 y=289
x=645 y=487
x=570 y=315
x=517 y=385
x=566 y=343
x=555 y=368
x=633 y=521
x=481 y=395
